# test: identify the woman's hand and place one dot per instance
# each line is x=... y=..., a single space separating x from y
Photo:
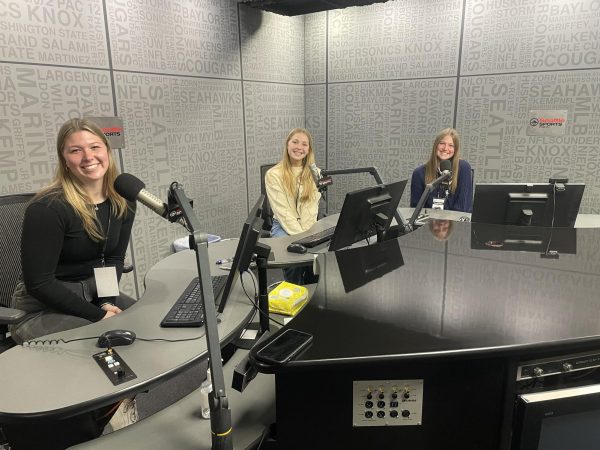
x=111 y=310
x=108 y=314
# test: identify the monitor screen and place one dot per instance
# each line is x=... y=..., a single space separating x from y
x=527 y=204
x=245 y=249
x=366 y=212
x=558 y=419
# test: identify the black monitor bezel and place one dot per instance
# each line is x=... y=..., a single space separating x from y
x=491 y=203
x=530 y=417
x=245 y=249
x=354 y=210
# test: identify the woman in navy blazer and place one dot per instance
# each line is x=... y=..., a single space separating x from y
x=457 y=195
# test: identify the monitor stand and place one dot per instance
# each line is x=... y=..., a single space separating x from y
x=254 y=330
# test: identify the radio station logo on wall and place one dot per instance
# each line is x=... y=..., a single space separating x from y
x=112 y=127
x=547 y=123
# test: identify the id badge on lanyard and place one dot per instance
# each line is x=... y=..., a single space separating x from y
x=438 y=203
x=107 y=283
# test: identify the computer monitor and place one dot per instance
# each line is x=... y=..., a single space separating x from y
x=359 y=266
x=245 y=249
x=553 y=204
x=367 y=212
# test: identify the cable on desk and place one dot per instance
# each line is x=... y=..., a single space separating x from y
x=35 y=342
x=255 y=302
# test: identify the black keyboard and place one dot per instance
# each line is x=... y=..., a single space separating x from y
x=187 y=310
x=315 y=239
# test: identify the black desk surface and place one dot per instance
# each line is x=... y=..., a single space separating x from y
x=449 y=297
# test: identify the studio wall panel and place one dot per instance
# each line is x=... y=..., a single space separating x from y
x=272 y=46
x=387 y=124
x=272 y=110
x=315 y=45
x=394 y=40
x=34 y=102
x=185 y=37
x=493 y=116
x=525 y=36
x=316 y=119
x=70 y=33
x=188 y=130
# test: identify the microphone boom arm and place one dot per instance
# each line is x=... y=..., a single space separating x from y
x=220 y=414
x=424 y=196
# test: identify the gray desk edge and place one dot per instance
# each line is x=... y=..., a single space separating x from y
x=180 y=426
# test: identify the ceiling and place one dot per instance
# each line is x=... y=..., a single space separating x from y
x=297 y=7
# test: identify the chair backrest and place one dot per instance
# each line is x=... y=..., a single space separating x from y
x=267 y=212
x=12 y=211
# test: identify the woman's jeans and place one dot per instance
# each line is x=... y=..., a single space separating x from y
x=299 y=274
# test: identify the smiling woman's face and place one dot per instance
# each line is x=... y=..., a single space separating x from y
x=86 y=157
x=297 y=148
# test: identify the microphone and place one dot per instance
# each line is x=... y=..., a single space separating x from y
x=446 y=170
x=132 y=189
x=315 y=173
x=446 y=167
x=320 y=182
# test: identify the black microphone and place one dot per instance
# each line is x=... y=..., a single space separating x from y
x=132 y=189
x=320 y=182
x=446 y=167
x=446 y=170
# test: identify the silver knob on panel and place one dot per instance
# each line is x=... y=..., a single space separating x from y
x=567 y=367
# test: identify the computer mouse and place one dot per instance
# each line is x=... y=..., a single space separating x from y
x=464 y=219
x=296 y=248
x=114 y=338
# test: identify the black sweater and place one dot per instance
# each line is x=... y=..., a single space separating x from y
x=54 y=246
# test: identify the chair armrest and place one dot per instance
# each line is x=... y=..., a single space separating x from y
x=10 y=315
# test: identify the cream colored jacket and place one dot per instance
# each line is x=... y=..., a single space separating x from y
x=293 y=215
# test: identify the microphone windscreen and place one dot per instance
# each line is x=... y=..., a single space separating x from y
x=128 y=186
x=446 y=166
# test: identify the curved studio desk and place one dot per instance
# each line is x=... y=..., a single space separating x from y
x=436 y=316
x=57 y=381
x=448 y=322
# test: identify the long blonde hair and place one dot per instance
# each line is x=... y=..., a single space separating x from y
x=290 y=182
x=431 y=167
x=67 y=185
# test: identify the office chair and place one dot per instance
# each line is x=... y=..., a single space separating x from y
x=267 y=212
x=12 y=210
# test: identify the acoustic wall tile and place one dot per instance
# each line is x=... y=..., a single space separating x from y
x=272 y=110
x=185 y=37
x=315 y=55
x=53 y=32
x=501 y=37
x=394 y=40
x=387 y=124
x=272 y=46
x=34 y=102
x=493 y=115
x=316 y=119
x=190 y=131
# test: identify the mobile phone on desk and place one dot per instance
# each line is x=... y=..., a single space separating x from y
x=284 y=347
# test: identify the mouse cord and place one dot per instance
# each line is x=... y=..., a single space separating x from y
x=255 y=302
x=33 y=342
